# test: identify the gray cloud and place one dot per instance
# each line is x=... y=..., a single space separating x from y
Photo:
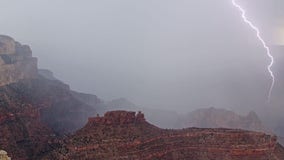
x=175 y=54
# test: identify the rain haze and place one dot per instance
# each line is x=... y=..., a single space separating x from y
x=167 y=54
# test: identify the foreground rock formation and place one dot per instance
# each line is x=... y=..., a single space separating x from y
x=16 y=61
x=4 y=155
x=127 y=135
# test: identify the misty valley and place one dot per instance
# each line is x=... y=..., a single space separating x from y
x=142 y=80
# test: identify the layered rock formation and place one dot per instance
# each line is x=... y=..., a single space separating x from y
x=118 y=118
x=16 y=61
x=126 y=135
x=34 y=111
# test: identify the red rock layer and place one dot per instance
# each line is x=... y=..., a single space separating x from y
x=33 y=113
x=126 y=135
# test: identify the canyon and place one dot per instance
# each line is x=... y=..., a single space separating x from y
x=42 y=118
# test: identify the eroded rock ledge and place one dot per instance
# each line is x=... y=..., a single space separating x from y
x=16 y=61
x=117 y=135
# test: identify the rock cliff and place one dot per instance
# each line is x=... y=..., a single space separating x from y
x=4 y=155
x=128 y=136
x=34 y=113
x=16 y=61
x=34 y=110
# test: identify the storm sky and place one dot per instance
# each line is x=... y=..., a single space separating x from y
x=171 y=54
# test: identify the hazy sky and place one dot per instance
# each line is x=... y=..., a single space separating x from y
x=174 y=54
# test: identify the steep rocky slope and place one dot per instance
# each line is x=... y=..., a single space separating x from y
x=88 y=99
x=127 y=135
x=33 y=110
x=22 y=134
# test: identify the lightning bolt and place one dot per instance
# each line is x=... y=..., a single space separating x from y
x=247 y=21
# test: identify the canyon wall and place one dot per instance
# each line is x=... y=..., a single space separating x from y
x=16 y=61
x=128 y=136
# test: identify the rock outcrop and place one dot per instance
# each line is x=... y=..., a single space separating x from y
x=34 y=110
x=16 y=61
x=117 y=118
x=126 y=135
x=201 y=118
x=4 y=155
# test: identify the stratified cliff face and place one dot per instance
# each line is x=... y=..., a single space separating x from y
x=32 y=112
x=16 y=61
x=22 y=134
x=33 y=109
x=127 y=135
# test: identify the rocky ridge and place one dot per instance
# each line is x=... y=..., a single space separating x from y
x=202 y=118
x=127 y=135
